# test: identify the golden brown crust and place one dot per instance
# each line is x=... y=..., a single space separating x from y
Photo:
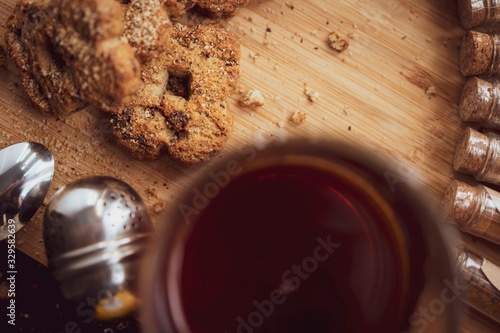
x=177 y=8
x=44 y=75
x=209 y=44
x=338 y=42
x=181 y=107
x=165 y=85
x=71 y=54
x=220 y=8
x=141 y=130
x=147 y=27
x=88 y=34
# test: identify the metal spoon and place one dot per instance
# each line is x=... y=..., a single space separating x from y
x=26 y=171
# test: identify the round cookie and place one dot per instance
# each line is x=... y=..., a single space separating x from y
x=88 y=35
x=45 y=76
x=181 y=107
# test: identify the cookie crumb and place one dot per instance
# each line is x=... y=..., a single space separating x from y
x=337 y=42
x=253 y=56
x=312 y=95
x=431 y=91
x=159 y=206
x=345 y=109
x=299 y=117
x=253 y=97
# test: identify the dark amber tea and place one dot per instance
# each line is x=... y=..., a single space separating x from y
x=296 y=249
x=295 y=243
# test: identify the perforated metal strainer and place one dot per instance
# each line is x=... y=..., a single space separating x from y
x=95 y=231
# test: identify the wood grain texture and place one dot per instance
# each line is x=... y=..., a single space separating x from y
x=394 y=91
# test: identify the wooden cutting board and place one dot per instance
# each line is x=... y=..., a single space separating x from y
x=393 y=91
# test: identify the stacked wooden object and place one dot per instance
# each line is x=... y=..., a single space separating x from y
x=475 y=208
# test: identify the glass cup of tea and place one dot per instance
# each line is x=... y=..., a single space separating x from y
x=299 y=237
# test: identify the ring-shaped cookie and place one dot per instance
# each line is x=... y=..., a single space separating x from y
x=181 y=108
x=45 y=76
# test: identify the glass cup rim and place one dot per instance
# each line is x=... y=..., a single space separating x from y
x=278 y=153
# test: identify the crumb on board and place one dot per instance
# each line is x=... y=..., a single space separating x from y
x=421 y=79
x=338 y=42
x=253 y=56
x=431 y=91
x=312 y=95
x=299 y=117
x=345 y=109
x=159 y=206
x=253 y=97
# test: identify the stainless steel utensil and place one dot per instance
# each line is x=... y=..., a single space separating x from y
x=26 y=171
x=95 y=230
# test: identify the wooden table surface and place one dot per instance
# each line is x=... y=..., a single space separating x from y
x=393 y=91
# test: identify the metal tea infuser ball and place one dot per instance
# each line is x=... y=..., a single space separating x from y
x=95 y=231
